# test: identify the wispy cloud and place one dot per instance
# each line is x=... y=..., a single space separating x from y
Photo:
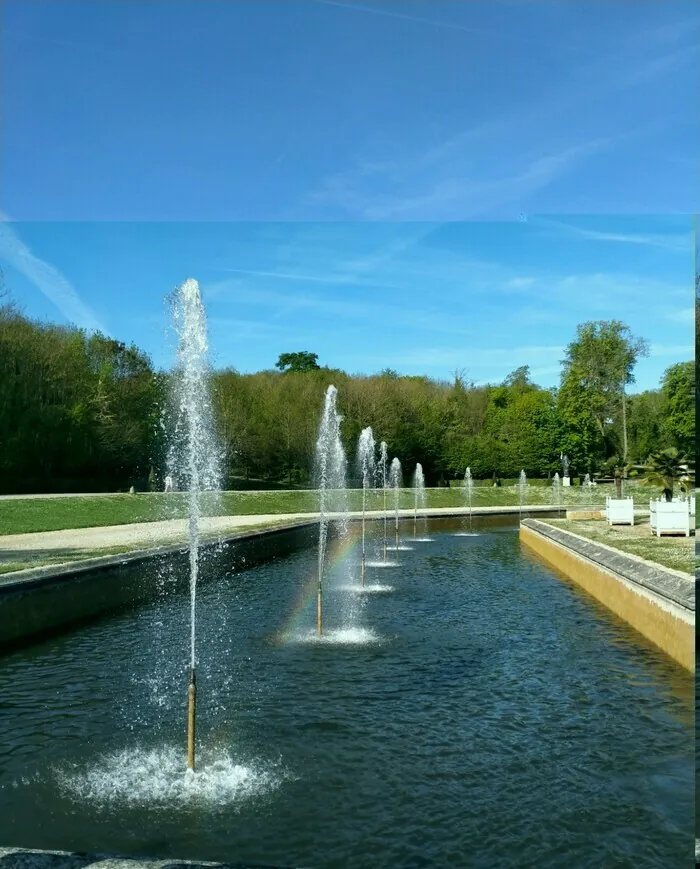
x=47 y=279
x=672 y=350
x=500 y=35
x=438 y=182
x=683 y=315
x=677 y=243
x=456 y=196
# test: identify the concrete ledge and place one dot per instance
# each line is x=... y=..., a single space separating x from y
x=23 y=858
x=659 y=603
x=38 y=602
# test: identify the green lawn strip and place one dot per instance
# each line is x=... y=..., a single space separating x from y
x=54 y=514
x=674 y=552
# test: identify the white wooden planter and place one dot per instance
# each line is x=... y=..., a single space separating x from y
x=619 y=511
x=669 y=517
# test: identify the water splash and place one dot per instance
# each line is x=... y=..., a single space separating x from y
x=395 y=480
x=589 y=489
x=331 y=467
x=339 y=637
x=419 y=504
x=381 y=480
x=556 y=491
x=522 y=492
x=467 y=490
x=365 y=459
x=141 y=777
x=193 y=455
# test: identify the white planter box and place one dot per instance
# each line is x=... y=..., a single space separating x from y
x=669 y=517
x=619 y=511
x=566 y=481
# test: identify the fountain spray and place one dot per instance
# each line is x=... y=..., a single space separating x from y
x=365 y=456
x=418 y=494
x=193 y=453
x=522 y=487
x=330 y=461
x=395 y=482
x=556 y=492
x=382 y=468
x=468 y=485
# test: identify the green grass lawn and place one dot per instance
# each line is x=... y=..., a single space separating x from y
x=52 y=514
x=669 y=551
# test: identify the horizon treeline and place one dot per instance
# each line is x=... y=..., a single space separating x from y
x=83 y=412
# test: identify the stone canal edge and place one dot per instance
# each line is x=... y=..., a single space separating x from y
x=656 y=601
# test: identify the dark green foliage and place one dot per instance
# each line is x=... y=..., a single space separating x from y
x=678 y=391
x=667 y=467
x=82 y=412
x=302 y=361
x=76 y=412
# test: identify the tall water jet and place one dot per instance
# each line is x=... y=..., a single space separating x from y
x=381 y=475
x=365 y=459
x=395 y=483
x=467 y=489
x=193 y=456
x=418 y=494
x=589 y=489
x=522 y=489
x=330 y=464
x=556 y=491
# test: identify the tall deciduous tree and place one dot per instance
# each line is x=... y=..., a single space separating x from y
x=678 y=391
x=599 y=364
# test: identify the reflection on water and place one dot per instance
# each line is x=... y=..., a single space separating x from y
x=498 y=717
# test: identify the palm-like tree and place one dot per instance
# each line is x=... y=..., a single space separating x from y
x=666 y=468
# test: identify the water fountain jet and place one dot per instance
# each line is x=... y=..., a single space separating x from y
x=522 y=488
x=330 y=459
x=382 y=476
x=418 y=493
x=395 y=483
x=365 y=456
x=193 y=454
x=556 y=492
x=467 y=488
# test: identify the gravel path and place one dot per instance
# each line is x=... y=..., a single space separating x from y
x=173 y=530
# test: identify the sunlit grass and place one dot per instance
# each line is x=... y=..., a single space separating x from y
x=676 y=552
x=52 y=514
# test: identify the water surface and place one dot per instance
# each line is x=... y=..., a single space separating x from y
x=482 y=712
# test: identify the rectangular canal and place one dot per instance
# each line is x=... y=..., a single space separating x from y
x=470 y=708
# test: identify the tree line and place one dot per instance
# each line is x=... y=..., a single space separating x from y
x=84 y=412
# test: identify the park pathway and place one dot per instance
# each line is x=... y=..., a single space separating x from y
x=147 y=534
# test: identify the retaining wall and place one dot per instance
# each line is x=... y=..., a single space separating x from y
x=657 y=602
x=45 y=600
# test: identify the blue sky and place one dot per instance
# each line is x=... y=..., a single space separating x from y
x=318 y=110
x=422 y=298
x=351 y=178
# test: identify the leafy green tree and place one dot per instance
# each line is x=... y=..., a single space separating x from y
x=299 y=362
x=600 y=363
x=678 y=391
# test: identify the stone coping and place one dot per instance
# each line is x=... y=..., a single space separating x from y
x=39 y=575
x=25 y=858
x=669 y=584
